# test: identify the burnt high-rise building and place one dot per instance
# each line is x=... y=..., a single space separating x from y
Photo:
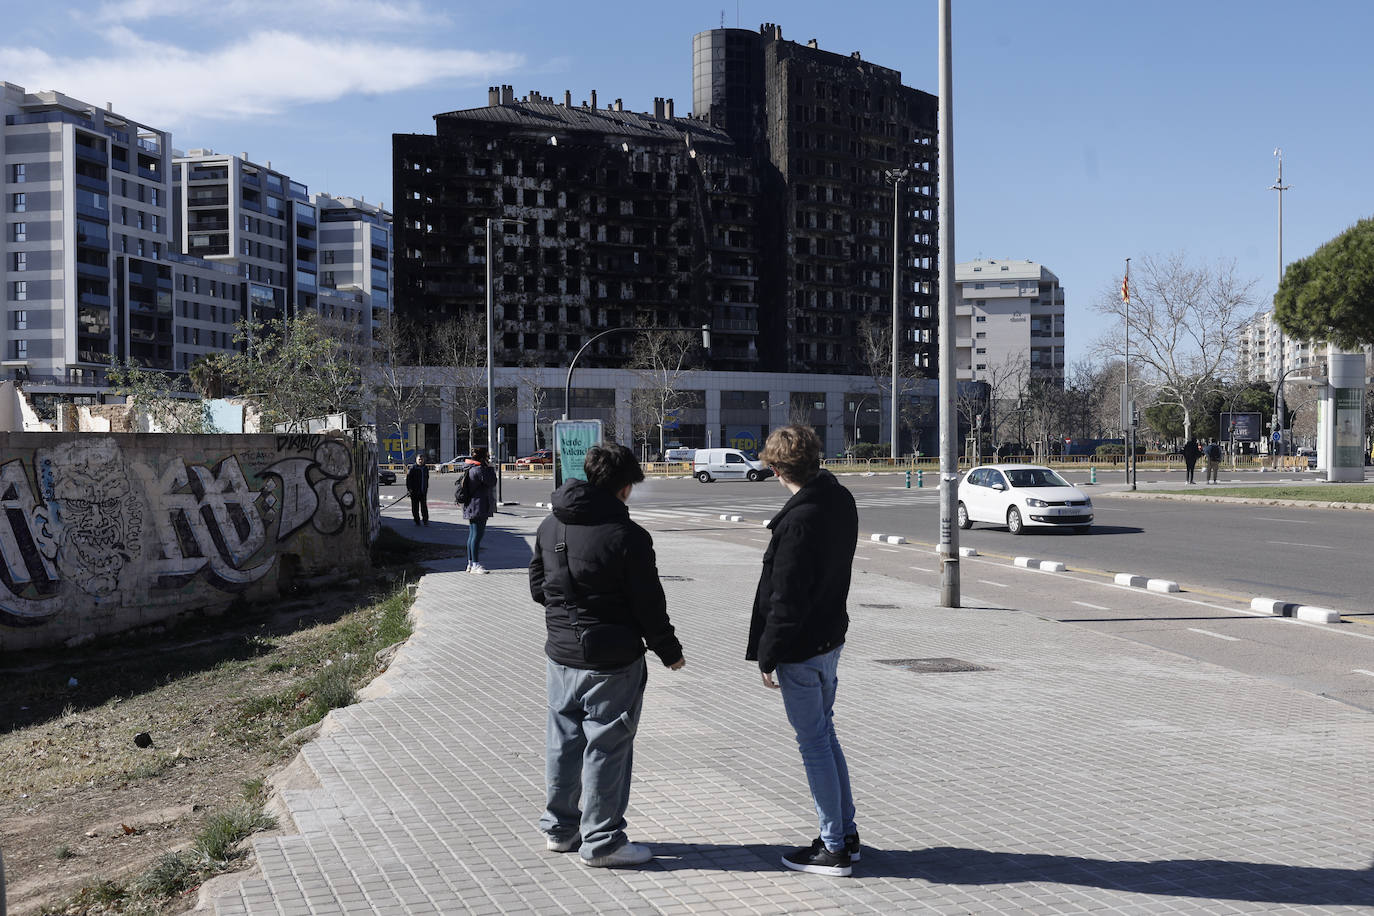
x=766 y=213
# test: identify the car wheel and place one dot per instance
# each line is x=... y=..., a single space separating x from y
x=1014 y=523
x=753 y=476
x=703 y=477
x=961 y=514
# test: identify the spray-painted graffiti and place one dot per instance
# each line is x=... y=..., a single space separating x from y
x=83 y=517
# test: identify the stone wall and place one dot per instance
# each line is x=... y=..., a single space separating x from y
x=102 y=533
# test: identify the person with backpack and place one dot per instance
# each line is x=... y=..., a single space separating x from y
x=1213 y=460
x=476 y=493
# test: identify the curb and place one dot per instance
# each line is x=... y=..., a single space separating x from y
x=888 y=538
x=731 y=518
x=968 y=551
x=1046 y=565
x=1154 y=585
x=543 y=505
x=1308 y=612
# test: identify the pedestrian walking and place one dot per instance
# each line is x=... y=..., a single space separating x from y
x=479 y=485
x=417 y=488
x=1191 y=452
x=1213 y=460
x=595 y=573
x=798 y=628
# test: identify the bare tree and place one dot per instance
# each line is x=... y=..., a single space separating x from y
x=395 y=377
x=460 y=346
x=874 y=342
x=661 y=358
x=533 y=396
x=1184 y=321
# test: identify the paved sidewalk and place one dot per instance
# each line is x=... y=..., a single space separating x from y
x=1077 y=773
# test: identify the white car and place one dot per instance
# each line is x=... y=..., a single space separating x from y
x=1021 y=496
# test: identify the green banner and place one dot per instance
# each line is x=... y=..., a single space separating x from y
x=571 y=439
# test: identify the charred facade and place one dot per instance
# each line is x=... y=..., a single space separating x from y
x=767 y=214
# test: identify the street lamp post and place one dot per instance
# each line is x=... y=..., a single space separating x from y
x=567 y=387
x=1278 y=343
x=896 y=176
x=857 y=407
x=491 y=341
x=948 y=548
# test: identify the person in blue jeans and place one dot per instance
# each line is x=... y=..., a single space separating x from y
x=798 y=628
x=595 y=573
x=482 y=506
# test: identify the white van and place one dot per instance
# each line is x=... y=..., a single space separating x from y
x=712 y=464
x=679 y=454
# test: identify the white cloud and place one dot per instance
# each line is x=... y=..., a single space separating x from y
x=264 y=74
x=311 y=15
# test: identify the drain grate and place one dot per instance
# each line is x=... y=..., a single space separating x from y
x=932 y=665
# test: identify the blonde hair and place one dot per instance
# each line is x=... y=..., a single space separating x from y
x=794 y=452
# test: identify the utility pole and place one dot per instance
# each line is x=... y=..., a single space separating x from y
x=1280 y=421
x=949 y=430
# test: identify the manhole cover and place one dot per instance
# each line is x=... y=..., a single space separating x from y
x=932 y=665
x=881 y=607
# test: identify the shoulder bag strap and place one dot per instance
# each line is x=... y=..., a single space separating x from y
x=560 y=550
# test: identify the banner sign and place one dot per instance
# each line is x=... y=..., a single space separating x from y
x=571 y=439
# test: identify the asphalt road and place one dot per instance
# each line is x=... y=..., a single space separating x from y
x=1221 y=555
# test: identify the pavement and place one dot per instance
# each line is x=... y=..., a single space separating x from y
x=1071 y=772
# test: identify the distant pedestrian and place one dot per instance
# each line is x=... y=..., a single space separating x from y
x=1191 y=452
x=595 y=572
x=417 y=487
x=798 y=628
x=1213 y=460
x=481 y=505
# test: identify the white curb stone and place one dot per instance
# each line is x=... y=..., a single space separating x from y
x=1024 y=562
x=1161 y=585
x=730 y=518
x=1313 y=614
x=968 y=551
x=1129 y=579
x=1045 y=565
x=1268 y=606
x=543 y=505
x=888 y=538
x=1052 y=566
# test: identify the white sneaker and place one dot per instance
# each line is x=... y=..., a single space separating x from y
x=567 y=845
x=629 y=854
x=477 y=569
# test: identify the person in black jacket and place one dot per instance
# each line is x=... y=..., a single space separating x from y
x=481 y=480
x=417 y=486
x=595 y=572
x=1191 y=453
x=798 y=628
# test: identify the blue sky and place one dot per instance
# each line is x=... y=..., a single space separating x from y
x=1085 y=132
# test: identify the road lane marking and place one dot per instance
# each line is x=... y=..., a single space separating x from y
x=1214 y=635
x=1297 y=544
x=888 y=550
x=1095 y=607
x=1291 y=521
x=758 y=540
x=921 y=569
x=1361 y=671
x=990 y=582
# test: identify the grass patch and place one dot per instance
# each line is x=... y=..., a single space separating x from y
x=65 y=852
x=1323 y=492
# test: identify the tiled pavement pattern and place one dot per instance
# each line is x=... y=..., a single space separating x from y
x=1080 y=773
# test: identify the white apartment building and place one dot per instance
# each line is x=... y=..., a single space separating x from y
x=355 y=250
x=1259 y=357
x=1009 y=323
x=112 y=246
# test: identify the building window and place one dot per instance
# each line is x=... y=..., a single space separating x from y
x=19 y=321
x=152 y=196
x=980 y=318
x=19 y=290
x=19 y=202
x=19 y=173
x=20 y=349
x=978 y=286
x=21 y=260
x=20 y=232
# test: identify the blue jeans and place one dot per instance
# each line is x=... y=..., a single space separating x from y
x=808 y=695
x=476 y=528
x=589 y=753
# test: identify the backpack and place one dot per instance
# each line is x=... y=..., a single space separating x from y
x=463 y=495
x=1214 y=452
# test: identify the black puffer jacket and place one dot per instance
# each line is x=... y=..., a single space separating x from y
x=799 y=608
x=614 y=572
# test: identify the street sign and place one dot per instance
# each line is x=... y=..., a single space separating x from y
x=571 y=440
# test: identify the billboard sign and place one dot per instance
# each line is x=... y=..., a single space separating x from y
x=571 y=440
x=1240 y=427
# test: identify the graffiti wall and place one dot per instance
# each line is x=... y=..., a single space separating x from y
x=102 y=533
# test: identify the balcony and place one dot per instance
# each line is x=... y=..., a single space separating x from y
x=207 y=200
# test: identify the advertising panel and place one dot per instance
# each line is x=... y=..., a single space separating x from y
x=571 y=439
x=1242 y=427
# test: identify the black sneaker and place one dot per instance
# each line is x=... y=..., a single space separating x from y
x=818 y=860
x=851 y=846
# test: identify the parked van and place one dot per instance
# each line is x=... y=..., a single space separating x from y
x=679 y=454
x=712 y=464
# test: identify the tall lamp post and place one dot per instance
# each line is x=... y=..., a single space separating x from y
x=705 y=330
x=491 y=342
x=1278 y=389
x=949 y=462
x=896 y=176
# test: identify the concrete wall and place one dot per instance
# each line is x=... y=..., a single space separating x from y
x=106 y=532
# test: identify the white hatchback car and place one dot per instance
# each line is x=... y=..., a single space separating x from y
x=1020 y=496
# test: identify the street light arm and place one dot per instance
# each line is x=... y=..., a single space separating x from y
x=705 y=330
